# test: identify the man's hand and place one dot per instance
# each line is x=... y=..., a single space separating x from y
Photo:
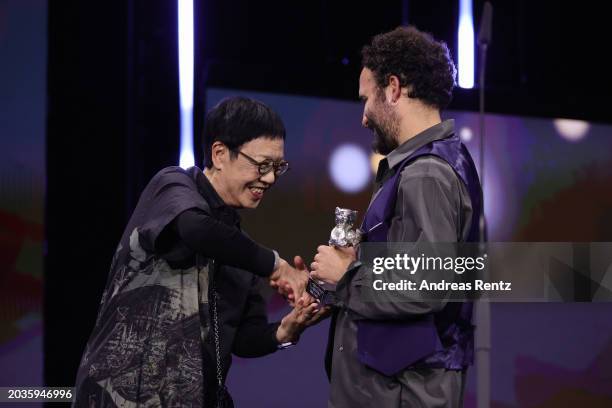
x=290 y=282
x=303 y=315
x=331 y=263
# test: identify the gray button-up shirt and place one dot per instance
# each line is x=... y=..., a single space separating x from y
x=433 y=205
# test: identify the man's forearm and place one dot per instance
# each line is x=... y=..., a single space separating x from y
x=355 y=293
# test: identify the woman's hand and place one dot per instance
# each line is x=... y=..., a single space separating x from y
x=305 y=313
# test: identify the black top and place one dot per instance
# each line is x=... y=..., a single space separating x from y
x=216 y=235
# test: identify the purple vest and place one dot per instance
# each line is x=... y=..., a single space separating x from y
x=441 y=340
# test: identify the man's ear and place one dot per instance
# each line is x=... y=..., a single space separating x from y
x=393 y=91
x=220 y=155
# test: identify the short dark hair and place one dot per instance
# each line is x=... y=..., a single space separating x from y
x=419 y=61
x=237 y=120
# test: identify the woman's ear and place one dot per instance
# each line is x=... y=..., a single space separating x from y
x=220 y=155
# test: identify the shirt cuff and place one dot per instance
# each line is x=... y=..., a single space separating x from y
x=271 y=340
x=276 y=260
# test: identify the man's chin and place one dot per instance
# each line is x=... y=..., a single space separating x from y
x=383 y=149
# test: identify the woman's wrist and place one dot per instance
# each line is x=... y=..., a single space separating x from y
x=287 y=332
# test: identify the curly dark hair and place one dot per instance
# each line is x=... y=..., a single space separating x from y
x=421 y=63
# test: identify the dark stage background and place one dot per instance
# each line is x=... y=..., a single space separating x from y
x=112 y=121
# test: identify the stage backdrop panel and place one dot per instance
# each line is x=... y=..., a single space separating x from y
x=23 y=56
x=545 y=180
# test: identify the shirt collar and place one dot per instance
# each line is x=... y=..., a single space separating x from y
x=440 y=131
x=214 y=200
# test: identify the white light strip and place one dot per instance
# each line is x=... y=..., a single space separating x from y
x=466 y=44
x=186 y=70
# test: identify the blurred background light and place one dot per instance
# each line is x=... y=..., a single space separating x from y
x=375 y=158
x=349 y=168
x=186 y=74
x=466 y=44
x=572 y=130
x=466 y=134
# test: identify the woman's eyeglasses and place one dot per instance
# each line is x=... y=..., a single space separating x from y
x=264 y=167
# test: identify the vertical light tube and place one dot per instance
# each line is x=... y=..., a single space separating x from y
x=186 y=74
x=466 y=44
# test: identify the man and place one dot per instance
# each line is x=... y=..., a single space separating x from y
x=408 y=353
x=181 y=294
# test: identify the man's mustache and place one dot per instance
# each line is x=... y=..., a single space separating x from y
x=373 y=127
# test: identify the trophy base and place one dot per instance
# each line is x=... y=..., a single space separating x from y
x=317 y=291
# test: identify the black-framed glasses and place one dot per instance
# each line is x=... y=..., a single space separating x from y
x=264 y=167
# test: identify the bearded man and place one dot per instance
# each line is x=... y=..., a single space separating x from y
x=382 y=352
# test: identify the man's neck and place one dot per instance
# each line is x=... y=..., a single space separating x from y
x=418 y=119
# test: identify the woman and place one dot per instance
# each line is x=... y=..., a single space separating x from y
x=181 y=294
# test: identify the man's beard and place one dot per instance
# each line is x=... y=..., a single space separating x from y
x=385 y=126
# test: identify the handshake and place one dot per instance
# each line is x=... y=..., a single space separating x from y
x=329 y=265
